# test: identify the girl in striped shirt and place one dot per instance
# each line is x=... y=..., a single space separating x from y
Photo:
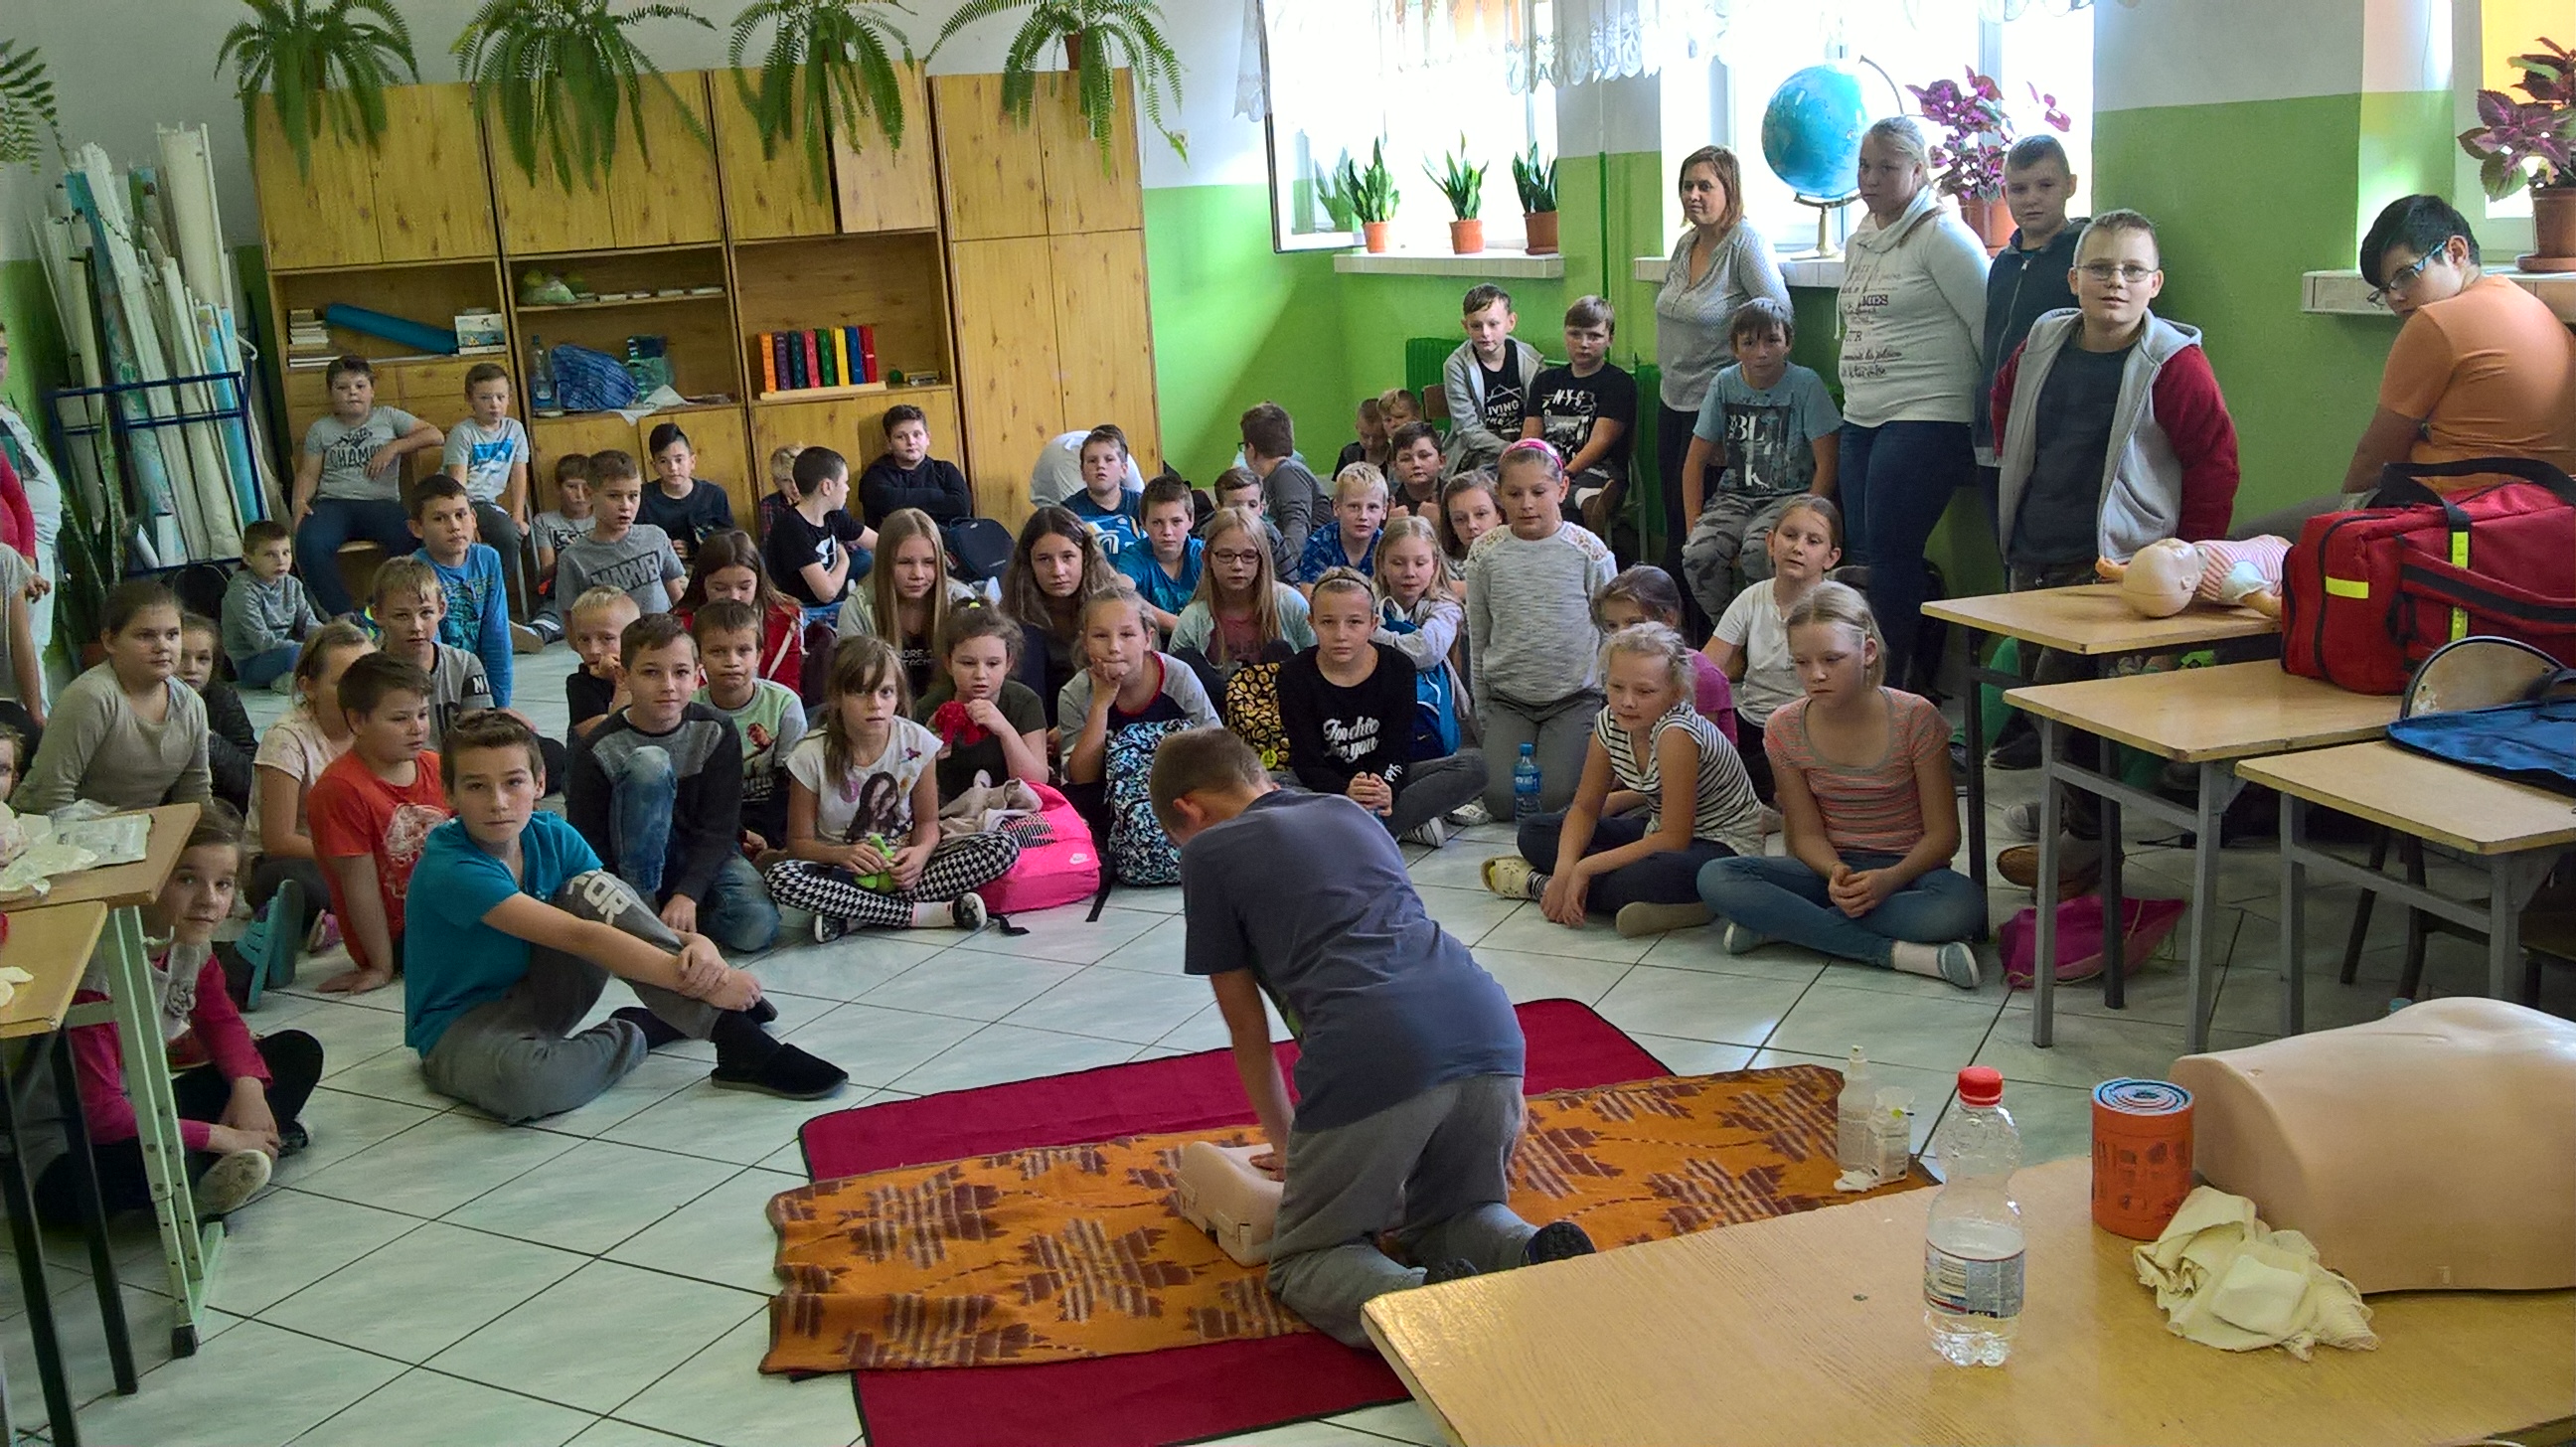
x=1662 y=795
x=1863 y=772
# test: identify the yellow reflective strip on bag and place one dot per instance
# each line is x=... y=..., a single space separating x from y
x=2460 y=560
x=2347 y=587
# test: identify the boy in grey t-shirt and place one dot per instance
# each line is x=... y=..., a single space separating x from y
x=348 y=483
x=635 y=558
x=488 y=452
x=1767 y=433
x=1409 y=1071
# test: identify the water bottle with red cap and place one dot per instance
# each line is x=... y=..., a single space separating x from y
x=1972 y=1246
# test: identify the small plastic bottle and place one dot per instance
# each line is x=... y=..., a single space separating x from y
x=1972 y=1247
x=541 y=380
x=1892 y=1132
x=1525 y=783
x=1852 y=1116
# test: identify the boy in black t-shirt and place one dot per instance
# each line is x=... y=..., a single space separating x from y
x=908 y=476
x=1586 y=410
x=1487 y=381
x=814 y=550
x=1347 y=707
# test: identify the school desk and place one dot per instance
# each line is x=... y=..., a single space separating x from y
x=1808 y=1329
x=53 y=943
x=2207 y=718
x=187 y=1247
x=2092 y=622
x=2517 y=831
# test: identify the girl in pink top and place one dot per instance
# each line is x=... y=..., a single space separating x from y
x=1863 y=772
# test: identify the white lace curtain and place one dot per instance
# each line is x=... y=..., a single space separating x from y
x=1609 y=39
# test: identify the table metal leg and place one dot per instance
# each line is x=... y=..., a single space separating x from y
x=1976 y=723
x=2512 y=880
x=2204 y=901
x=30 y=1245
x=185 y=1246
x=2294 y=910
x=102 y=1257
x=2043 y=984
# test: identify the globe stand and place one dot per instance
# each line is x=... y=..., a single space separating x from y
x=1825 y=249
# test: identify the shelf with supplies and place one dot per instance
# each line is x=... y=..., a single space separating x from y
x=604 y=303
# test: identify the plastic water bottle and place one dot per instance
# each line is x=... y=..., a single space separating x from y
x=1853 y=1117
x=541 y=380
x=1525 y=783
x=1972 y=1247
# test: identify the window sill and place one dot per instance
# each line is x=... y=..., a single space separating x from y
x=1518 y=264
x=2342 y=293
x=1824 y=273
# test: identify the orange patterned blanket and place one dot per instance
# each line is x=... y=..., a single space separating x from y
x=1076 y=1251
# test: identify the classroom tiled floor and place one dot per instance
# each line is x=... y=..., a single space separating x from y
x=423 y=1275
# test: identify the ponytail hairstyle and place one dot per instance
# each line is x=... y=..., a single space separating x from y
x=1842 y=605
x=902 y=526
x=1645 y=587
x=859 y=665
x=1410 y=526
x=318 y=647
x=1662 y=644
x=970 y=623
x=729 y=548
x=1265 y=583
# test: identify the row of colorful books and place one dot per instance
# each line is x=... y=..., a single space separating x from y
x=817 y=357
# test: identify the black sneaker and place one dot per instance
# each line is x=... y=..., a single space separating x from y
x=2015 y=751
x=788 y=1073
x=292 y=1137
x=1454 y=1269
x=1556 y=1241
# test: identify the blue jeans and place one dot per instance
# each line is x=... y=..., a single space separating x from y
x=736 y=912
x=262 y=668
x=1896 y=481
x=1781 y=898
x=337 y=520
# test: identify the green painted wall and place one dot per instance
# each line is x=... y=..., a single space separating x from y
x=2270 y=194
x=35 y=342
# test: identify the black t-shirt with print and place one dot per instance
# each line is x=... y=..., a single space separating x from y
x=1505 y=400
x=793 y=542
x=1568 y=405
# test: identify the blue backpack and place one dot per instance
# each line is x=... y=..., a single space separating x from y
x=1138 y=851
x=1435 y=699
x=2531 y=742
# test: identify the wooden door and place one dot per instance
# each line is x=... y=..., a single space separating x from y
x=325 y=217
x=764 y=196
x=1105 y=338
x=725 y=458
x=852 y=426
x=662 y=187
x=1084 y=191
x=433 y=198
x=1009 y=373
x=541 y=216
x=992 y=169
x=884 y=187
x=553 y=437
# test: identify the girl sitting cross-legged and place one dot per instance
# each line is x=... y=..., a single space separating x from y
x=1864 y=778
x=1242 y=613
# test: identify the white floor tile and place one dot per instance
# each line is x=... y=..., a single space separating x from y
x=1532 y=933
x=849 y=966
x=723 y=1236
x=739 y=1126
x=1467 y=914
x=1934 y=1034
x=592 y=1197
x=600 y=1336
x=1550 y=977
x=252 y=1386
x=1402 y=1421
x=875 y=1044
x=1011 y=1052
x=1067 y=935
x=392 y=1074
x=1694 y=1057
x=423 y=1293
x=609 y=1432
x=343 y=1123
x=443 y=1164
x=719 y=1396
x=969 y=985
x=287 y=1240
x=1725 y=1009
x=1130 y=1005
x=422 y=1408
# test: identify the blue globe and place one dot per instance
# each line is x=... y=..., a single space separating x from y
x=1811 y=131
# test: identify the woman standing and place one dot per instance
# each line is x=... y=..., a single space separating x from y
x=1913 y=306
x=1719 y=264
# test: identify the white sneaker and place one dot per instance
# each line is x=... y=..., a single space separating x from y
x=828 y=928
x=1471 y=814
x=1738 y=940
x=1955 y=962
x=2022 y=820
x=1431 y=832
x=524 y=639
x=231 y=1182
x=968 y=911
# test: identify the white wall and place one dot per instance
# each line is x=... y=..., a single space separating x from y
x=2209 y=52
x=124 y=67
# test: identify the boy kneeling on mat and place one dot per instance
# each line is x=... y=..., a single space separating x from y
x=514 y=929
x=1409 y=1076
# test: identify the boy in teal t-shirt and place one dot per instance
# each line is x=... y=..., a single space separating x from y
x=1767 y=434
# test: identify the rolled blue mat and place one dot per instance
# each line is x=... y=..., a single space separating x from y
x=419 y=336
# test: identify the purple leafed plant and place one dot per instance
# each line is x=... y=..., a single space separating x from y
x=1968 y=161
x=2530 y=142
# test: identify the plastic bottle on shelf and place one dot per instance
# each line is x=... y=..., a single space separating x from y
x=1852 y=1112
x=1972 y=1247
x=1525 y=782
x=541 y=380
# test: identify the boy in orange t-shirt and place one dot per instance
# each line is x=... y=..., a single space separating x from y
x=372 y=810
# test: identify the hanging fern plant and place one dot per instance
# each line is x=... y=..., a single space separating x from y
x=562 y=75
x=1098 y=36
x=26 y=101
x=828 y=69
x=322 y=64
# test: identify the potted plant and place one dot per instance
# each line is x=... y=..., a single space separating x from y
x=828 y=69
x=2533 y=143
x=1333 y=187
x=562 y=73
x=1099 y=36
x=1373 y=195
x=26 y=101
x=323 y=64
x=1968 y=164
x=1464 y=184
x=1536 y=182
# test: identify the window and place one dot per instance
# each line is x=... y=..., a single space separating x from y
x=1417 y=74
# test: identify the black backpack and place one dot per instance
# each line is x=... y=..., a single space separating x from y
x=982 y=548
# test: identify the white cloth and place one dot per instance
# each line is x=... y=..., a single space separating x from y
x=2224 y=1279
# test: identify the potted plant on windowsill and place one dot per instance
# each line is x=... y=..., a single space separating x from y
x=1372 y=196
x=2533 y=143
x=1968 y=163
x=1333 y=186
x=1464 y=184
x=1536 y=181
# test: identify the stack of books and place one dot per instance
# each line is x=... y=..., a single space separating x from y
x=816 y=358
x=308 y=342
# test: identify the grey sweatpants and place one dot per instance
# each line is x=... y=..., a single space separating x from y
x=1433 y=787
x=517 y=1057
x=1561 y=731
x=1729 y=548
x=1437 y=1165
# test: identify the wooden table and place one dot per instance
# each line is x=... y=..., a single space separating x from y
x=54 y=943
x=2092 y=622
x=1809 y=1329
x=187 y=1247
x=2518 y=831
x=2205 y=717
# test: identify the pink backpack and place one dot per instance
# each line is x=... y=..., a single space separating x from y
x=1058 y=862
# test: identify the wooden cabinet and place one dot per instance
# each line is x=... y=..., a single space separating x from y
x=1008 y=367
x=764 y=196
x=991 y=169
x=715 y=433
x=885 y=187
x=422 y=195
x=851 y=426
x=659 y=189
x=1086 y=191
x=1104 y=339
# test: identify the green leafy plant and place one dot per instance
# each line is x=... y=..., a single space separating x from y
x=2528 y=142
x=26 y=100
x=1372 y=192
x=1536 y=181
x=563 y=74
x=1099 y=36
x=1460 y=180
x=322 y=64
x=829 y=68
x=1333 y=193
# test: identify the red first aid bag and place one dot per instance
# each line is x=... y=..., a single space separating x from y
x=2368 y=594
